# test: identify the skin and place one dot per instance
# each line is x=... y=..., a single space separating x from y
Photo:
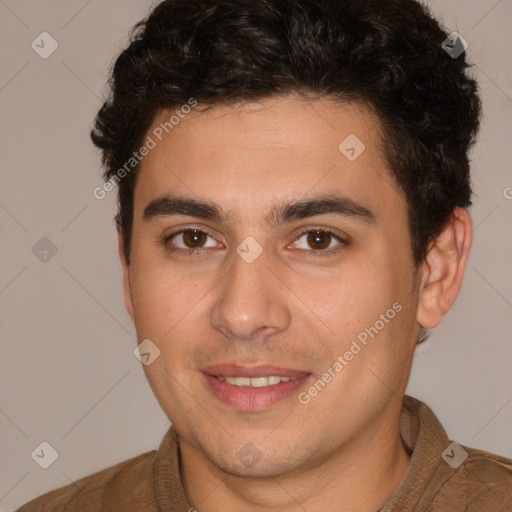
x=290 y=307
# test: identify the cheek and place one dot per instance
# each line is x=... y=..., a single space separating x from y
x=160 y=298
x=172 y=309
x=372 y=305
x=353 y=295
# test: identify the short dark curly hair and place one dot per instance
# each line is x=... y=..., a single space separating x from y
x=386 y=53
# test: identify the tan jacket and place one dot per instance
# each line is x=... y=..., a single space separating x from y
x=442 y=477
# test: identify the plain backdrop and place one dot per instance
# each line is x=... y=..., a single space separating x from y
x=68 y=373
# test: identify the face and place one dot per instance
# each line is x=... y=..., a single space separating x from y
x=261 y=249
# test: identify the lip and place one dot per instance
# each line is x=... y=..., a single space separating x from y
x=249 y=398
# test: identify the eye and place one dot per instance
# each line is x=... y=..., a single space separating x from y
x=319 y=241
x=189 y=240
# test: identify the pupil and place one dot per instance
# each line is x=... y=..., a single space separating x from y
x=193 y=238
x=319 y=239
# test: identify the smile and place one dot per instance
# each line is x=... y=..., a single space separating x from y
x=257 y=382
x=253 y=388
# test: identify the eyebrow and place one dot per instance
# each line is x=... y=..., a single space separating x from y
x=324 y=205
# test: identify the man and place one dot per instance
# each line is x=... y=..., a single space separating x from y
x=293 y=190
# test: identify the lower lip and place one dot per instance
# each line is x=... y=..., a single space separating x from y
x=253 y=399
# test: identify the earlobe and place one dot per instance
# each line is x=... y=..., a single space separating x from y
x=442 y=271
x=126 y=274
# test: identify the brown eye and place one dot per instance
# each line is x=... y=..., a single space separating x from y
x=194 y=238
x=319 y=240
x=189 y=240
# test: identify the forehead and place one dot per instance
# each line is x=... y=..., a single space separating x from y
x=251 y=155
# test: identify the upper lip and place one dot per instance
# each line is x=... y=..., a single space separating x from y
x=236 y=370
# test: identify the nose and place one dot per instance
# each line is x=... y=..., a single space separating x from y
x=252 y=302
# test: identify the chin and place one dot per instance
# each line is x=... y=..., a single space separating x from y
x=267 y=470
x=250 y=462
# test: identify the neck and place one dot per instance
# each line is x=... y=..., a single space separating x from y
x=358 y=477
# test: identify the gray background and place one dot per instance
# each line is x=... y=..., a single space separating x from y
x=68 y=374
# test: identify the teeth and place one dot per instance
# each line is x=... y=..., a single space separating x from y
x=257 y=382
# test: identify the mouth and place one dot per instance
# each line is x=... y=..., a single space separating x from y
x=253 y=388
x=257 y=382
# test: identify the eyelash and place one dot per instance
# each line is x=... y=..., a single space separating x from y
x=322 y=252
x=200 y=252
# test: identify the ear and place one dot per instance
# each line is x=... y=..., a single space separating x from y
x=126 y=274
x=442 y=270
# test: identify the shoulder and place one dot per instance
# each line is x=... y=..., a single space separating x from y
x=485 y=468
x=129 y=481
x=482 y=479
